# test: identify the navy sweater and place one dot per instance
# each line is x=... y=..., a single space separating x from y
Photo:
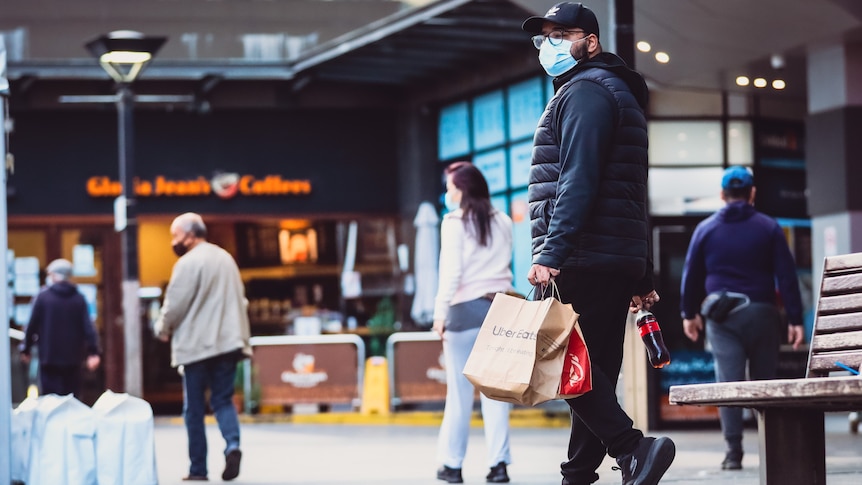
x=742 y=250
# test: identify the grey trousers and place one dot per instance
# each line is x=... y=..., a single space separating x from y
x=750 y=336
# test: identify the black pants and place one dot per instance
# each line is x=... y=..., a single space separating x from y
x=60 y=379
x=599 y=424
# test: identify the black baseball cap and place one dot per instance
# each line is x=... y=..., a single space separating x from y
x=570 y=14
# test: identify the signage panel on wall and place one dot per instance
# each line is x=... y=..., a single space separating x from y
x=526 y=103
x=488 y=120
x=493 y=166
x=454 y=131
x=779 y=172
x=520 y=158
x=238 y=162
x=781 y=192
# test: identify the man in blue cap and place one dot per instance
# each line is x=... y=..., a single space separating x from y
x=588 y=219
x=735 y=258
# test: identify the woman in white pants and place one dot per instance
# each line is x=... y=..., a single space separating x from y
x=475 y=263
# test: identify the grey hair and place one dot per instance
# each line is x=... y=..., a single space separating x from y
x=61 y=269
x=191 y=223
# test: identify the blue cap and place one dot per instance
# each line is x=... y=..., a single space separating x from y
x=737 y=178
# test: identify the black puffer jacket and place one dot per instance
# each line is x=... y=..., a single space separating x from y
x=588 y=179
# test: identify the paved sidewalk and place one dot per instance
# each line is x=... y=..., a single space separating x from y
x=306 y=453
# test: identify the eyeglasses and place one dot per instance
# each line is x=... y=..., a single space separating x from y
x=555 y=37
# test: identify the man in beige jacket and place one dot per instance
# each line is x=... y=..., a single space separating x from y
x=204 y=316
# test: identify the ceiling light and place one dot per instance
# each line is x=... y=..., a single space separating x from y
x=777 y=61
x=760 y=82
x=644 y=46
x=778 y=84
x=662 y=57
x=742 y=81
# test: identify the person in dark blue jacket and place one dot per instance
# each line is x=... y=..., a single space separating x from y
x=588 y=218
x=61 y=329
x=735 y=260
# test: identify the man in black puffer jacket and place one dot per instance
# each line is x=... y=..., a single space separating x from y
x=588 y=215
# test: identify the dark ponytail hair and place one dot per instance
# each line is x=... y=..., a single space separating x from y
x=475 y=198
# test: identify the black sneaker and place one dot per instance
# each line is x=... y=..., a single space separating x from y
x=647 y=464
x=732 y=461
x=498 y=474
x=231 y=465
x=449 y=475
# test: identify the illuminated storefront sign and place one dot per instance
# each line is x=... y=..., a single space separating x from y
x=225 y=185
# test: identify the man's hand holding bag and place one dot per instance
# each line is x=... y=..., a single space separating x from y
x=529 y=352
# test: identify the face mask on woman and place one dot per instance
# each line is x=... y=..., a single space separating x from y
x=449 y=200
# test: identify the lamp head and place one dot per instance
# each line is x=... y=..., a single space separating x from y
x=124 y=53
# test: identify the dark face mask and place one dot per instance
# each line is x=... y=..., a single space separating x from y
x=180 y=249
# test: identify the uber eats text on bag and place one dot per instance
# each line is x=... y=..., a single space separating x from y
x=528 y=352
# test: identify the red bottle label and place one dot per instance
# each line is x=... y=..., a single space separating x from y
x=649 y=327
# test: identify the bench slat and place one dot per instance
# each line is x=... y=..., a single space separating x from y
x=842 y=262
x=832 y=393
x=840 y=303
x=822 y=364
x=837 y=341
x=838 y=323
x=842 y=284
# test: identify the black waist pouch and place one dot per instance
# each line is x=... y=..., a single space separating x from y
x=717 y=306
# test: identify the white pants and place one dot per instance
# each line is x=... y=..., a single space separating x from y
x=455 y=429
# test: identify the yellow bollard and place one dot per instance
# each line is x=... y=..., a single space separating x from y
x=375 y=387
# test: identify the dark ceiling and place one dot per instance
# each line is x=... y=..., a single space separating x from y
x=421 y=44
x=709 y=43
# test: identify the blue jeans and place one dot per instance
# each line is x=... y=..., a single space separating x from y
x=455 y=428
x=218 y=374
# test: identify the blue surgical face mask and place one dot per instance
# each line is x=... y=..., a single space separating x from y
x=451 y=205
x=557 y=59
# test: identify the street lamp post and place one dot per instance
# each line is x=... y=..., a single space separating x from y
x=123 y=54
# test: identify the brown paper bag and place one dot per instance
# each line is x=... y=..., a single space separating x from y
x=521 y=349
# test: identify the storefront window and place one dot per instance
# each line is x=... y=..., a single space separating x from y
x=739 y=143
x=685 y=143
x=522 y=241
x=488 y=120
x=526 y=102
x=504 y=120
x=690 y=190
x=493 y=166
x=520 y=158
x=454 y=131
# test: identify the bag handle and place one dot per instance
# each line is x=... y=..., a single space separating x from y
x=552 y=286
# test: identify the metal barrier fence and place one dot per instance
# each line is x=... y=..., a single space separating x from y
x=312 y=369
x=417 y=372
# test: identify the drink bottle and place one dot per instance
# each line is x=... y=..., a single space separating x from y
x=659 y=355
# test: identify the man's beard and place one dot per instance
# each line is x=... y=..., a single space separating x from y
x=580 y=52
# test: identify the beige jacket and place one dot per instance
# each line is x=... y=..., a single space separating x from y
x=204 y=310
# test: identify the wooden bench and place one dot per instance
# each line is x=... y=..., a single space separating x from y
x=791 y=411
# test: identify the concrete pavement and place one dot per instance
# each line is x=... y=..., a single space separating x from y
x=344 y=448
